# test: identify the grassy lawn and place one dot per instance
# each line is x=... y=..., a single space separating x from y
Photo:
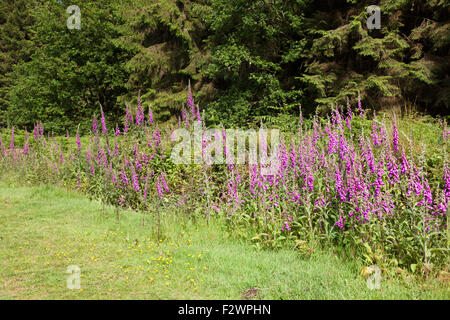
x=45 y=229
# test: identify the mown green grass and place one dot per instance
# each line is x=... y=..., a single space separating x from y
x=45 y=229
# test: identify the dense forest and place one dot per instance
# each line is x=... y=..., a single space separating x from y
x=247 y=61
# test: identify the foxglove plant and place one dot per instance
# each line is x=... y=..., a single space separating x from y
x=140 y=113
x=395 y=135
x=94 y=125
x=164 y=183
x=447 y=182
x=36 y=132
x=78 y=142
x=150 y=115
x=392 y=167
x=103 y=121
x=41 y=130
x=158 y=188
x=184 y=117
x=135 y=180
x=362 y=112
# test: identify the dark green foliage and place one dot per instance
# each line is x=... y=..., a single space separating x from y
x=15 y=44
x=252 y=61
x=71 y=71
x=167 y=39
x=247 y=61
x=405 y=61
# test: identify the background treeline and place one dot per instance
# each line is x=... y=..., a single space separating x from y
x=247 y=61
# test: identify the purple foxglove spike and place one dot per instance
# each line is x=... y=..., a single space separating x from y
x=150 y=115
x=362 y=112
x=447 y=182
x=116 y=150
x=36 y=132
x=395 y=136
x=103 y=124
x=135 y=179
x=163 y=181
x=124 y=178
x=94 y=125
x=78 y=142
x=41 y=129
x=158 y=188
